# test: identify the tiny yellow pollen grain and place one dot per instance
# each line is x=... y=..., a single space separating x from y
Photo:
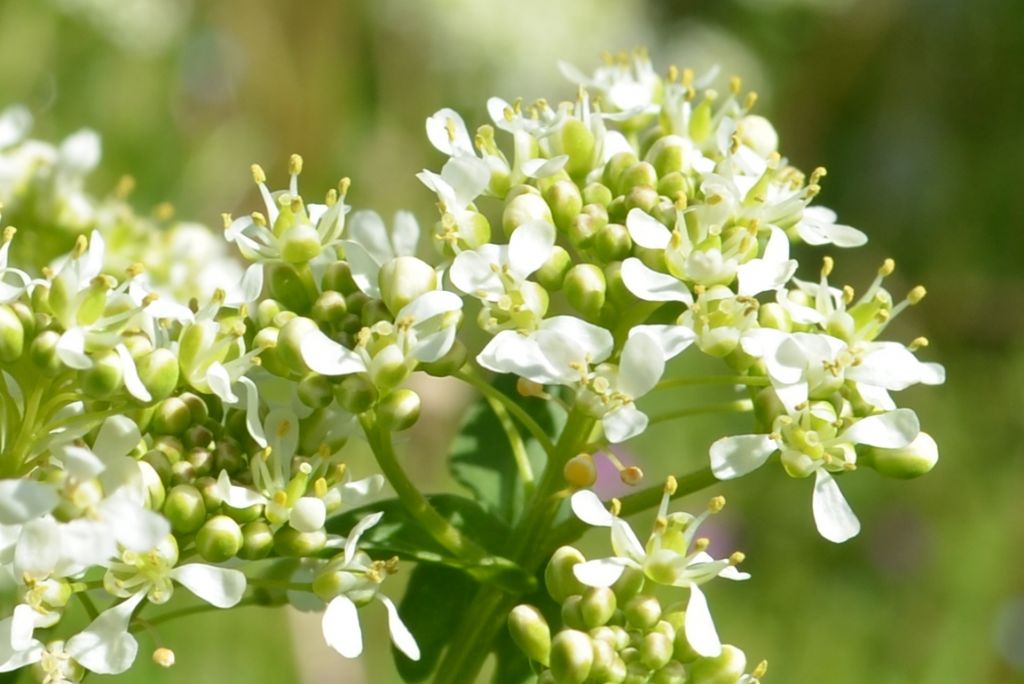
x=258 y=174
x=761 y=669
x=671 y=485
x=750 y=100
x=716 y=504
x=887 y=267
x=737 y=557
x=701 y=543
x=81 y=244
x=848 y=294
x=918 y=343
x=916 y=294
x=343 y=186
x=295 y=164
x=827 y=264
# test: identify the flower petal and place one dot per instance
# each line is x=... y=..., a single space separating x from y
x=833 y=516
x=325 y=356
x=105 y=646
x=652 y=286
x=603 y=572
x=890 y=430
x=588 y=508
x=700 y=627
x=646 y=230
x=220 y=587
x=401 y=637
x=23 y=500
x=735 y=456
x=340 y=625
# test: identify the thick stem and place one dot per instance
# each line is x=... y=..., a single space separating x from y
x=412 y=498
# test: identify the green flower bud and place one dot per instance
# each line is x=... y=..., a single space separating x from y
x=156 y=493
x=656 y=650
x=585 y=289
x=104 y=379
x=171 y=447
x=596 y=193
x=266 y=311
x=183 y=472
x=202 y=462
x=572 y=616
x=228 y=456
x=172 y=417
x=913 y=460
x=257 y=541
x=356 y=301
x=559 y=578
x=288 y=541
x=552 y=274
x=578 y=142
x=772 y=315
x=356 y=393
x=403 y=279
x=672 y=673
x=185 y=509
x=727 y=668
x=643 y=611
x=243 y=515
x=636 y=175
x=565 y=201
x=597 y=606
x=315 y=391
x=43 y=352
x=300 y=245
x=160 y=464
x=643 y=197
x=607 y=664
x=338 y=277
x=219 y=539
x=673 y=184
x=613 y=243
x=197 y=436
x=531 y=633
x=615 y=168
x=287 y=286
x=399 y=410
x=582 y=230
x=389 y=368
x=12 y=335
x=374 y=311
x=572 y=656
x=617 y=209
x=330 y=308
x=449 y=364
x=524 y=208
x=289 y=342
x=159 y=372
x=667 y=155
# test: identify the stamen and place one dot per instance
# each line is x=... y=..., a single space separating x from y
x=258 y=174
x=716 y=504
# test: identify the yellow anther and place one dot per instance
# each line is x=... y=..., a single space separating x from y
x=916 y=294
x=343 y=186
x=887 y=267
x=331 y=198
x=716 y=504
x=226 y=219
x=687 y=77
x=9 y=232
x=918 y=343
x=701 y=544
x=258 y=174
x=320 y=487
x=735 y=85
x=827 y=264
x=673 y=73
x=508 y=113
x=750 y=100
x=616 y=507
x=295 y=164
x=258 y=218
x=631 y=475
x=149 y=299
x=848 y=294
x=296 y=204
x=671 y=485
x=817 y=175
x=163 y=211
x=81 y=244
x=761 y=669
x=737 y=557
x=164 y=657
x=280 y=498
x=529 y=388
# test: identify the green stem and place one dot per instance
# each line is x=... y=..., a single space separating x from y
x=481 y=624
x=16 y=456
x=738 y=406
x=688 y=381
x=191 y=610
x=515 y=443
x=446 y=534
x=517 y=411
x=89 y=606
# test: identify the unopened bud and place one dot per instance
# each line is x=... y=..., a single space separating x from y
x=559 y=578
x=184 y=508
x=300 y=245
x=580 y=471
x=315 y=391
x=164 y=657
x=257 y=540
x=159 y=371
x=12 y=335
x=629 y=584
x=399 y=410
x=615 y=168
x=727 y=668
x=613 y=243
x=643 y=611
x=338 y=277
x=449 y=364
x=330 y=308
x=577 y=142
x=356 y=393
x=290 y=542
x=913 y=460
x=656 y=650
x=287 y=286
x=531 y=633
x=104 y=379
x=596 y=193
x=525 y=207
x=289 y=342
x=597 y=605
x=667 y=155
x=219 y=539
x=759 y=134
x=585 y=289
x=572 y=656
x=388 y=368
x=565 y=202
x=172 y=417
x=403 y=279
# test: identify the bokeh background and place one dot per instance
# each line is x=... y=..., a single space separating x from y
x=914 y=106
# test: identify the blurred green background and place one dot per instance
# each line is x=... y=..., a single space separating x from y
x=914 y=106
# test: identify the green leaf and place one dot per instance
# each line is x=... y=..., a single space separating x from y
x=432 y=608
x=399 y=534
x=481 y=459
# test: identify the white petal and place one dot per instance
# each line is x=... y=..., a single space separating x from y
x=625 y=542
x=340 y=626
x=308 y=514
x=325 y=356
x=80 y=151
x=71 y=349
x=673 y=339
x=510 y=352
x=23 y=500
x=530 y=247
x=588 y=508
x=430 y=304
x=356 y=492
x=15 y=122
x=220 y=587
x=735 y=456
x=542 y=168
x=365 y=268
x=652 y=286
x=700 y=628
x=832 y=515
x=367 y=228
x=117 y=437
x=640 y=366
x=400 y=634
x=105 y=646
x=220 y=383
x=623 y=423
x=357 y=531
x=471 y=272
x=252 y=411
x=646 y=230
x=135 y=527
x=437 y=132
x=252 y=283
x=603 y=572
x=594 y=341
x=38 y=550
x=405 y=233
x=235 y=496
x=79 y=462
x=761 y=275
x=891 y=430
x=468 y=177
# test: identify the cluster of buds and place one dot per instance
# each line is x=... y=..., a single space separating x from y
x=156 y=432
x=615 y=629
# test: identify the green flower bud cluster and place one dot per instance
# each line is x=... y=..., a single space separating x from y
x=616 y=634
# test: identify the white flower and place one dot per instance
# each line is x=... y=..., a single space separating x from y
x=671 y=557
x=815 y=440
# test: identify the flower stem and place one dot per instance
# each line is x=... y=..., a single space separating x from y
x=412 y=498
x=691 y=380
x=517 y=411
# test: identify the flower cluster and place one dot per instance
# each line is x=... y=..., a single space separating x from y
x=186 y=424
